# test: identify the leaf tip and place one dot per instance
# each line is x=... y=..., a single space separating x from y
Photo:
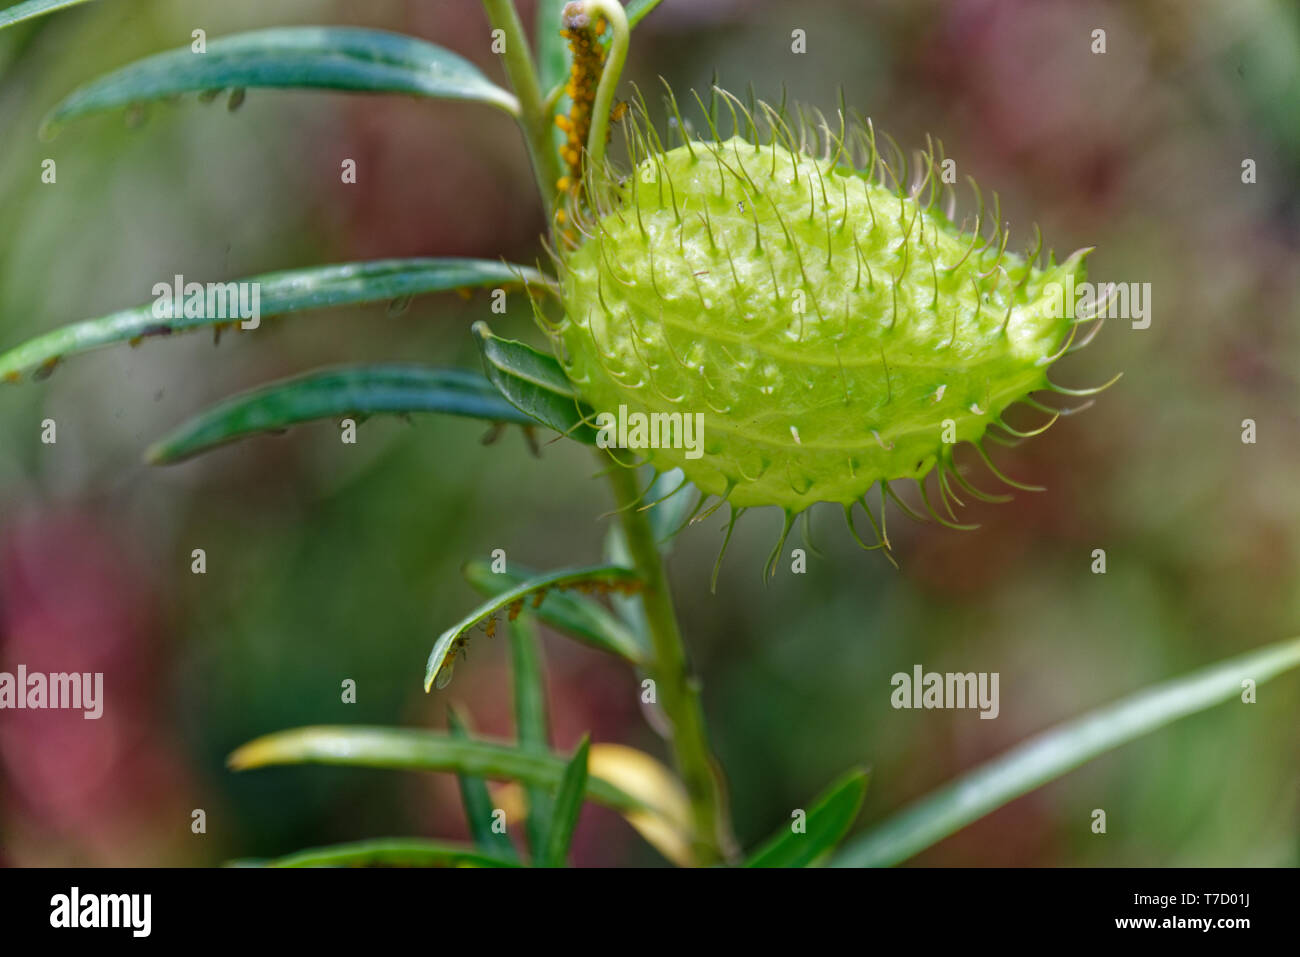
x=50 y=127
x=243 y=757
x=430 y=674
x=157 y=454
x=584 y=745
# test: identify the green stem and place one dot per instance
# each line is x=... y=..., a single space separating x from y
x=677 y=692
x=534 y=117
x=613 y=13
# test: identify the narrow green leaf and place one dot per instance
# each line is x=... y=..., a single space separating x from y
x=670 y=498
x=568 y=805
x=278 y=294
x=332 y=58
x=638 y=9
x=33 y=8
x=575 y=615
x=827 y=821
x=532 y=725
x=1054 y=752
x=552 y=51
x=330 y=394
x=554 y=63
x=409 y=750
x=452 y=641
x=478 y=805
x=629 y=609
x=534 y=383
x=388 y=852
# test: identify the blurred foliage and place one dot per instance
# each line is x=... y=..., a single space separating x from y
x=327 y=562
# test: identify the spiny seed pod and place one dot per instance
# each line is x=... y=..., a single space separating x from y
x=831 y=332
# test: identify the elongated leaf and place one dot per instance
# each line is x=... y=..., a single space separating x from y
x=637 y=10
x=33 y=8
x=568 y=805
x=575 y=615
x=670 y=499
x=532 y=724
x=1052 y=753
x=534 y=383
x=278 y=294
x=668 y=829
x=331 y=393
x=331 y=58
x=408 y=750
x=452 y=641
x=828 y=820
x=630 y=609
x=554 y=62
x=479 y=809
x=388 y=852
x=552 y=52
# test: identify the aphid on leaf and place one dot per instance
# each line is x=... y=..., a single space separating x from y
x=449 y=661
x=46 y=369
x=442 y=657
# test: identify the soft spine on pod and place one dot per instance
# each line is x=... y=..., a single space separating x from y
x=833 y=332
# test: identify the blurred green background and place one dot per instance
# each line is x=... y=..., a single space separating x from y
x=328 y=562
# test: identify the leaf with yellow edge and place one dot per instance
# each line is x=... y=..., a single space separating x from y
x=409 y=749
x=666 y=822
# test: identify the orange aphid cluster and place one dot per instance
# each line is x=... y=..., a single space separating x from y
x=588 y=65
x=586 y=587
x=623 y=587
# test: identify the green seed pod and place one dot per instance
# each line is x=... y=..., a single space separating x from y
x=830 y=332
